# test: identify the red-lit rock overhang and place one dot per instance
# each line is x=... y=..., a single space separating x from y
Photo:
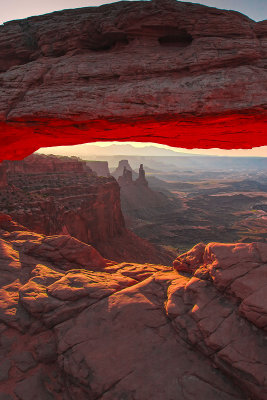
x=168 y=72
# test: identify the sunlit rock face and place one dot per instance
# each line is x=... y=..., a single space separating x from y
x=74 y=324
x=172 y=72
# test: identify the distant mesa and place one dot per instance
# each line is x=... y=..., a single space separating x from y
x=99 y=167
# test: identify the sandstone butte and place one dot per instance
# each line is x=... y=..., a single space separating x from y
x=176 y=73
x=77 y=326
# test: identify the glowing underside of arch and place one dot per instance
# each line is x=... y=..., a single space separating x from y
x=226 y=131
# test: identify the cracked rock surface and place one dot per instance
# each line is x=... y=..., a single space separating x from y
x=102 y=330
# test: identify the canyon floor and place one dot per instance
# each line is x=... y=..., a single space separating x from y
x=223 y=206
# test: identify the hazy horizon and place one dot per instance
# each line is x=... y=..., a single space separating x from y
x=104 y=148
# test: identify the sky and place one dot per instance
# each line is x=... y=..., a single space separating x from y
x=17 y=9
x=80 y=150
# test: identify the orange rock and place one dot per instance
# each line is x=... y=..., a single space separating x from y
x=131 y=328
x=191 y=260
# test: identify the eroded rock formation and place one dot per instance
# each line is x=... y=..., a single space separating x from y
x=84 y=326
x=126 y=178
x=121 y=168
x=172 y=72
x=52 y=195
x=141 y=180
x=138 y=201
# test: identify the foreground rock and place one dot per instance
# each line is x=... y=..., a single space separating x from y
x=168 y=71
x=105 y=330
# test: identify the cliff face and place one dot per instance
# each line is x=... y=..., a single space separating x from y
x=3 y=178
x=90 y=213
x=39 y=163
x=173 y=72
x=73 y=324
x=62 y=196
x=54 y=195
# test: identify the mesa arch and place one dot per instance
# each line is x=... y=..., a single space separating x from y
x=174 y=73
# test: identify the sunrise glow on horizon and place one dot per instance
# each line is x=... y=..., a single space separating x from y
x=62 y=150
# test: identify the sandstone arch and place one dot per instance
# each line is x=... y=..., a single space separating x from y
x=101 y=73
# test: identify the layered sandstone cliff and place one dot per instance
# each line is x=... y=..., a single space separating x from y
x=168 y=71
x=52 y=195
x=76 y=326
x=40 y=163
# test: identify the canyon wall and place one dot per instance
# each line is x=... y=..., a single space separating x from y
x=3 y=177
x=166 y=71
x=53 y=196
x=91 y=213
x=39 y=163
